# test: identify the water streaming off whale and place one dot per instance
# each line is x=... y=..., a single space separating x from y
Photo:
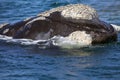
x=56 y=41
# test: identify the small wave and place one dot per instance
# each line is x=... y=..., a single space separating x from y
x=56 y=41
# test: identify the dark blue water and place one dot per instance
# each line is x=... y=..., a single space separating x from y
x=100 y=62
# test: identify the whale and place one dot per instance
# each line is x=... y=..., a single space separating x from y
x=76 y=22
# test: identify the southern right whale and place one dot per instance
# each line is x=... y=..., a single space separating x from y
x=77 y=22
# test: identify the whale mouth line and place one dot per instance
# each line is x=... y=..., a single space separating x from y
x=56 y=41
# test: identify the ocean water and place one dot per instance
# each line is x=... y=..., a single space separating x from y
x=30 y=62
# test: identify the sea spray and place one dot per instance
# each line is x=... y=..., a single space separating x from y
x=56 y=41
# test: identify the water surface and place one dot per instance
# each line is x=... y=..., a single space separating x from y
x=18 y=62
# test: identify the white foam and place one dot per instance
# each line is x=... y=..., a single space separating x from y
x=56 y=41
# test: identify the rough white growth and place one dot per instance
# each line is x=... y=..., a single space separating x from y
x=80 y=11
x=74 y=12
x=80 y=37
x=76 y=39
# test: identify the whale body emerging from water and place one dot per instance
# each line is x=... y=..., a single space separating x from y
x=76 y=22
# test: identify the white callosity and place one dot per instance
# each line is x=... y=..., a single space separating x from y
x=74 y=11
x=80 y=37
x=80 y=11
x=76 y=39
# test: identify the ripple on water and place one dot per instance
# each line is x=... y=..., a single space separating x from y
x=98 y=62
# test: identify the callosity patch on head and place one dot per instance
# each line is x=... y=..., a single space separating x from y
x=80 y=11
x=80 y=37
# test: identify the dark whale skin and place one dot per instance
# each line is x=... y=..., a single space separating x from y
x=56 y=24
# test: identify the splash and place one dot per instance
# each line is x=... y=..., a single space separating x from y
x=56 y=41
